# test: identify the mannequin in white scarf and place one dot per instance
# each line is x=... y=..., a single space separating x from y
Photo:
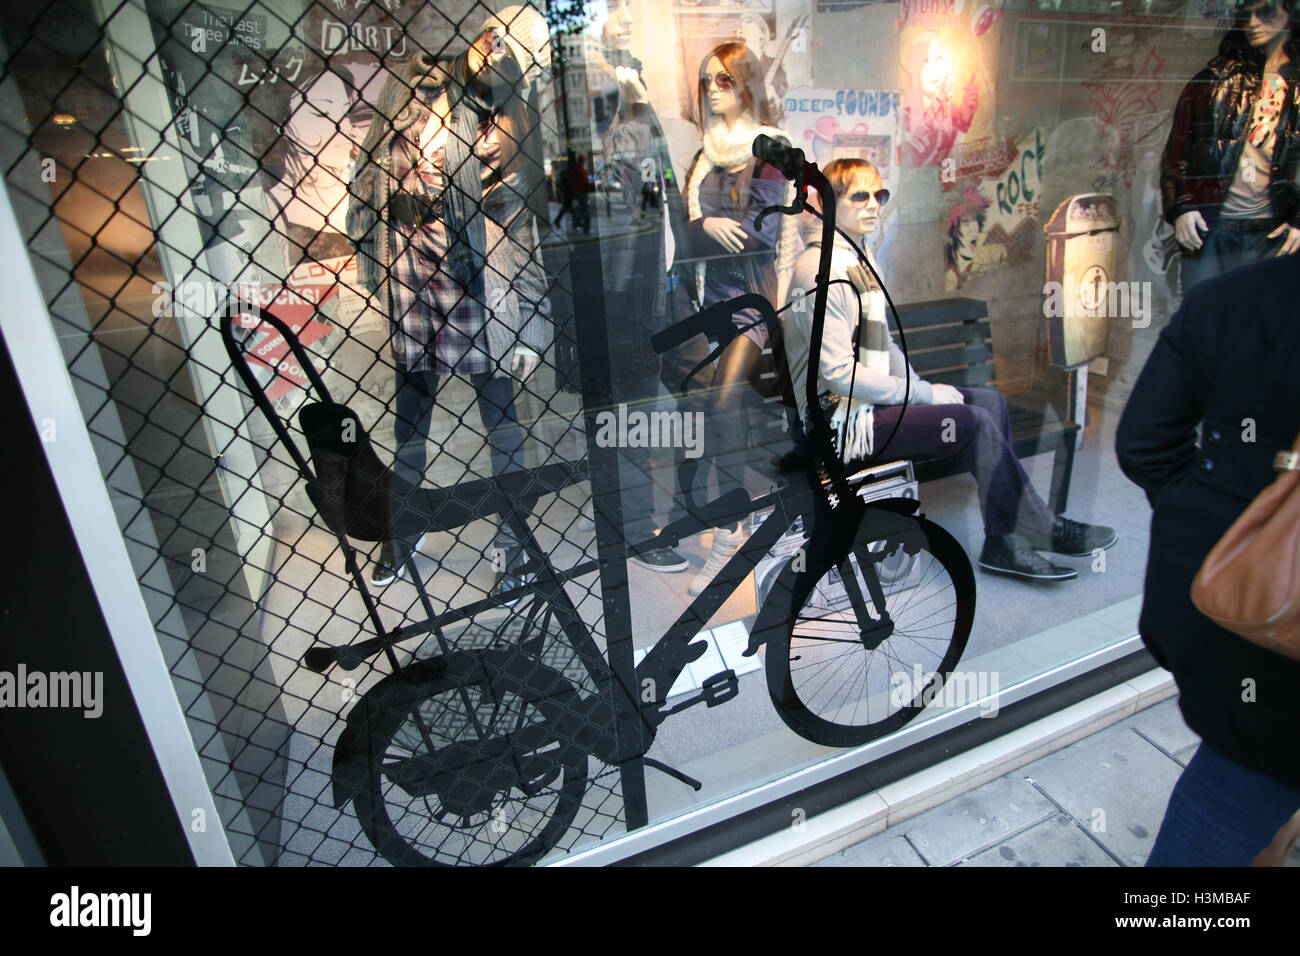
x=725 y=191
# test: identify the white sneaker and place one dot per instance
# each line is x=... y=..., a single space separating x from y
x=725 y=545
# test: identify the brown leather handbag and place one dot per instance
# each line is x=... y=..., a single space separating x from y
x=1250 y=581
x=1276 y=853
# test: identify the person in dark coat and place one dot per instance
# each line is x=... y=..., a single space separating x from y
x=1228 y=362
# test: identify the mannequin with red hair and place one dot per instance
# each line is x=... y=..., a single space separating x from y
x=725 y=191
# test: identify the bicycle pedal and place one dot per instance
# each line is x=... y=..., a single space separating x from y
x=720 y=688
x=716 y=690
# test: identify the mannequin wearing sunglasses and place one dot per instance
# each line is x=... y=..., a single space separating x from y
x=1228 y=175
x=865 y=387
x=725 y=191
x=441 y=213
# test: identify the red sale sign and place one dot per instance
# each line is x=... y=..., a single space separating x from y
x=296 y=303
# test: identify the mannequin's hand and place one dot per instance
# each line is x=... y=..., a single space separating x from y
x=1292 y=239
x=725 y=232
x=524 y=363
x=947 y=395
x=861 y=278
x=1188 y=229
x=631 y=89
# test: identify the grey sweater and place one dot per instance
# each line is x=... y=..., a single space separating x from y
x=841 y=372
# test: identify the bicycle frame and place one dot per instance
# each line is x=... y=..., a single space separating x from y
x=584 y=723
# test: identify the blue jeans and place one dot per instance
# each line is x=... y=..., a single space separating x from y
x=1229 y=244
x=416 y=393
x=981 y=434
x=1221 y=814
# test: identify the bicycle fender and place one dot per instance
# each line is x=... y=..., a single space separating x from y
x=902 y=506
x=352 y=750
x=348 y=774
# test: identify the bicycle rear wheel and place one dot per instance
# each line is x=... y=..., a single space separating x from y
x=872 y=640
x=464 y=763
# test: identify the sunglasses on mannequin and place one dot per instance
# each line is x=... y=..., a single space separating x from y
x=723 y=81
x=864 y=196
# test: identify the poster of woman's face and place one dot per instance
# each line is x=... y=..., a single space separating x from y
x=323 y=133
x=947 y=64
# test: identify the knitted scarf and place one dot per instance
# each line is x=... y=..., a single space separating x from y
x=727 y=149
x=852 y=421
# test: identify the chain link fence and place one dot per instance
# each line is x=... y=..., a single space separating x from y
x=179 y=164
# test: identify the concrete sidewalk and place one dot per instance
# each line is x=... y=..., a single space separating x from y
x=1097 y=802
x=1087 y=786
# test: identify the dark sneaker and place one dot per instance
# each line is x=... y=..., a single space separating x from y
x=1078 y=540
x=661 y=559
x=1004 y=554
x=388 y=569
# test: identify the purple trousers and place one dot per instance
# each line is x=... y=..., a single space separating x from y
x=979 y=431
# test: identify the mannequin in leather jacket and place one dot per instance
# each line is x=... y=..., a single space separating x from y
x=1228 y=171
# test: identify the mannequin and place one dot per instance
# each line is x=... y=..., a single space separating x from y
x=725 y=192
x=866 y=388
x=1231 y=197
x=440 y=201
x=637 y=248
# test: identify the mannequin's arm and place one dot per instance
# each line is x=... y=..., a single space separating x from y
x=1174 y=190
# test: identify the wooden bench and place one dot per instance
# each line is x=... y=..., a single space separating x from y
x=949 y=341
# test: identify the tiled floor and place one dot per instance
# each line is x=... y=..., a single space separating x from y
x=1097 y=802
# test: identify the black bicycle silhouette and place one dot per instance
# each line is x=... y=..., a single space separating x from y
x=480 y=755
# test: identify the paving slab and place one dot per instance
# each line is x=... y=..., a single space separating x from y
x=1057 y=841
x=1164 y=726
x=1115 y=783
x=965 y=825
x=887 y=849
x=1185 y=754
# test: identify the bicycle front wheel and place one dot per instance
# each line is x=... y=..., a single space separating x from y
x=855 y=651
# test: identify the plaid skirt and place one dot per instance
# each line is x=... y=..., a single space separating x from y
x=436 y=325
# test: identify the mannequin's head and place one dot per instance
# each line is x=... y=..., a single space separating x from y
x=859 y=193
x=617 y=32
x=513 y=44
x=1261 y=26
x=1266 y=22
x=731 y=84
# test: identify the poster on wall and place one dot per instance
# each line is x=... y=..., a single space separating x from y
x=846 y=124
x=270 y=111
x=993 y=220
x=776 y=31
x=948 y=70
